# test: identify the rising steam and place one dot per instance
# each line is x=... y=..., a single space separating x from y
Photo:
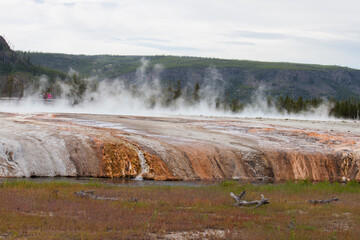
x=145 y=95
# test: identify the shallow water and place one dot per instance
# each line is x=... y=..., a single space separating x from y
x=115 y=181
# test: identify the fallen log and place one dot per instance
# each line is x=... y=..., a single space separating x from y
x=241 y=202
x=323 y=201
x=90 y=194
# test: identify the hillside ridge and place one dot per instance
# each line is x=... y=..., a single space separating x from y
x=241 y=78
x=18 y=72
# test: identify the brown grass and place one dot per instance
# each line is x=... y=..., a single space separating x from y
x=50 y=210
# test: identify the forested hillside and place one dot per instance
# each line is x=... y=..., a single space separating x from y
x=238 y=78
x=17 y=71
x=229 y=84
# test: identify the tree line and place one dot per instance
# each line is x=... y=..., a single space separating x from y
x=191 y=95
x=349 y=108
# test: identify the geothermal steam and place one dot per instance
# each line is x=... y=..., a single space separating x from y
x=145 y=95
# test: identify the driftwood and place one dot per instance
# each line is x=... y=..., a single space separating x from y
x=90 y=194
x=241 y=202
x=323 y=201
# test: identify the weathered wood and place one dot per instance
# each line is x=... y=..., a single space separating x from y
x=242 y=195
x=323 y=201
x=238 y=198
x=241 y=202
x=262 y=201
x=90 y=194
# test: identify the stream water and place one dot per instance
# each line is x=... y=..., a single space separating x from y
x=115 y=181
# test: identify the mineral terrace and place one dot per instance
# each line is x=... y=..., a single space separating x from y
x=178 y=147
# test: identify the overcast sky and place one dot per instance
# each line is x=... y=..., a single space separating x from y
x=305 y=31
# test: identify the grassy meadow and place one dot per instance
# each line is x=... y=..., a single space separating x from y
x=51 y=210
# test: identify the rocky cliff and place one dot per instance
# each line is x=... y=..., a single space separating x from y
x=178 y=148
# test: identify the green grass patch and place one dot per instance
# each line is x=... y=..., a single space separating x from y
x=50 y=210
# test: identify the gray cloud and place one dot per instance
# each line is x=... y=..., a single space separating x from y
x=257 y=35
x=279 y=30
x=168 y=48
x=239 y=43
x=156 y=43
x=143 y=39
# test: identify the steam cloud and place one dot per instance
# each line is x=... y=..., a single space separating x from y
x=145 y=96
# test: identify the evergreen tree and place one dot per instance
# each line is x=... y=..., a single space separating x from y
x=299 y=105
x=270 y=101
x=168 y=96
x=78 y=87
x=217 y=103
x=196 y=96
x=10 y=85
x=177 y=92
x=21 y=94
x=235 y=106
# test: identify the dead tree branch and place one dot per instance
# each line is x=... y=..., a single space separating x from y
x=240 y=202
x=323 y=201
x=90 y=194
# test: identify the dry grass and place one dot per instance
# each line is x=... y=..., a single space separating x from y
x=50 y=210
